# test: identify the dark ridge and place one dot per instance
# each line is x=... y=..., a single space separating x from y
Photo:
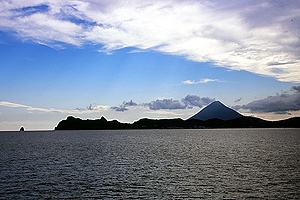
x=72 y=123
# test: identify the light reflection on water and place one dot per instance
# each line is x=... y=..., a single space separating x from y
x=151 y=164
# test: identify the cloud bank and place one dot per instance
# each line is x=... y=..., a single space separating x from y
x=168 y=104
x=279 y=104
x=261 y=37
x=189 y=101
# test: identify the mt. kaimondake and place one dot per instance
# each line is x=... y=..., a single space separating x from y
x=215 y=115
x=216 y=110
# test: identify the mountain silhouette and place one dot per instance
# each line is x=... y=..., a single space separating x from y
x=216 y=110
x=215 y=115
x=72 y=123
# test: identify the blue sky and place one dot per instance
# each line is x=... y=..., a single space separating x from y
x=158 y=59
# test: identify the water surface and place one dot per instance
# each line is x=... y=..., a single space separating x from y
x=151 y=164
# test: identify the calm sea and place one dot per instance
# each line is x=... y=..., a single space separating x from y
x=151 y=164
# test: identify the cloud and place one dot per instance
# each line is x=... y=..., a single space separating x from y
x=238 y=100
x=123 y=106
x=279 y=104
x=30 y=108
x=13 y=105
x=194 y=100
x=129 y=103
x=169 y=104
x=92 y=107
x=296 y=88
x=283 y=113
x=118 y=108
x=88 y=109
x=187 y=102
x=205 y=80
x=261 y=37
x=164 y=112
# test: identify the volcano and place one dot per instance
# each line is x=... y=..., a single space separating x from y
x=216 y=110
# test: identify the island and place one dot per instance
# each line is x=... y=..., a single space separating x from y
x=215 y=115
x=72 y=123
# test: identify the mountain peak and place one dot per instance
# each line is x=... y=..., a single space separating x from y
x=216 y=103
x=216 y=110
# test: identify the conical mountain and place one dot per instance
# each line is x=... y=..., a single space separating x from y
x=216 y=110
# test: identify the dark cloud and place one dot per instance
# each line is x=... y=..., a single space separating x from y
x=169 y=104
x=238 y=100
x=194 y=100
x=187 y=102
x=296 y=88
x=119 y=108
x=129 y=103
x=123 y=106
x=90 y=107
x=281 y=103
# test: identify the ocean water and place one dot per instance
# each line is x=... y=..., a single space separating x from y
x=151 y=164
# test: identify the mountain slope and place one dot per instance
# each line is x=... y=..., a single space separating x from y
x=216 y=110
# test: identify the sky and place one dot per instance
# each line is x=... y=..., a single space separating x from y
x=133 y=59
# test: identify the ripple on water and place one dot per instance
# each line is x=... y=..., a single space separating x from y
x=151 y=164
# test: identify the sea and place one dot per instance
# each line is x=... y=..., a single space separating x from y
x=151 y=164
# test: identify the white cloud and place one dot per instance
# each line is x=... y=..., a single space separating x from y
x=205 y=80
x=261 y=37
x=164 y=112
x=13 y=105
x=97 y=108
